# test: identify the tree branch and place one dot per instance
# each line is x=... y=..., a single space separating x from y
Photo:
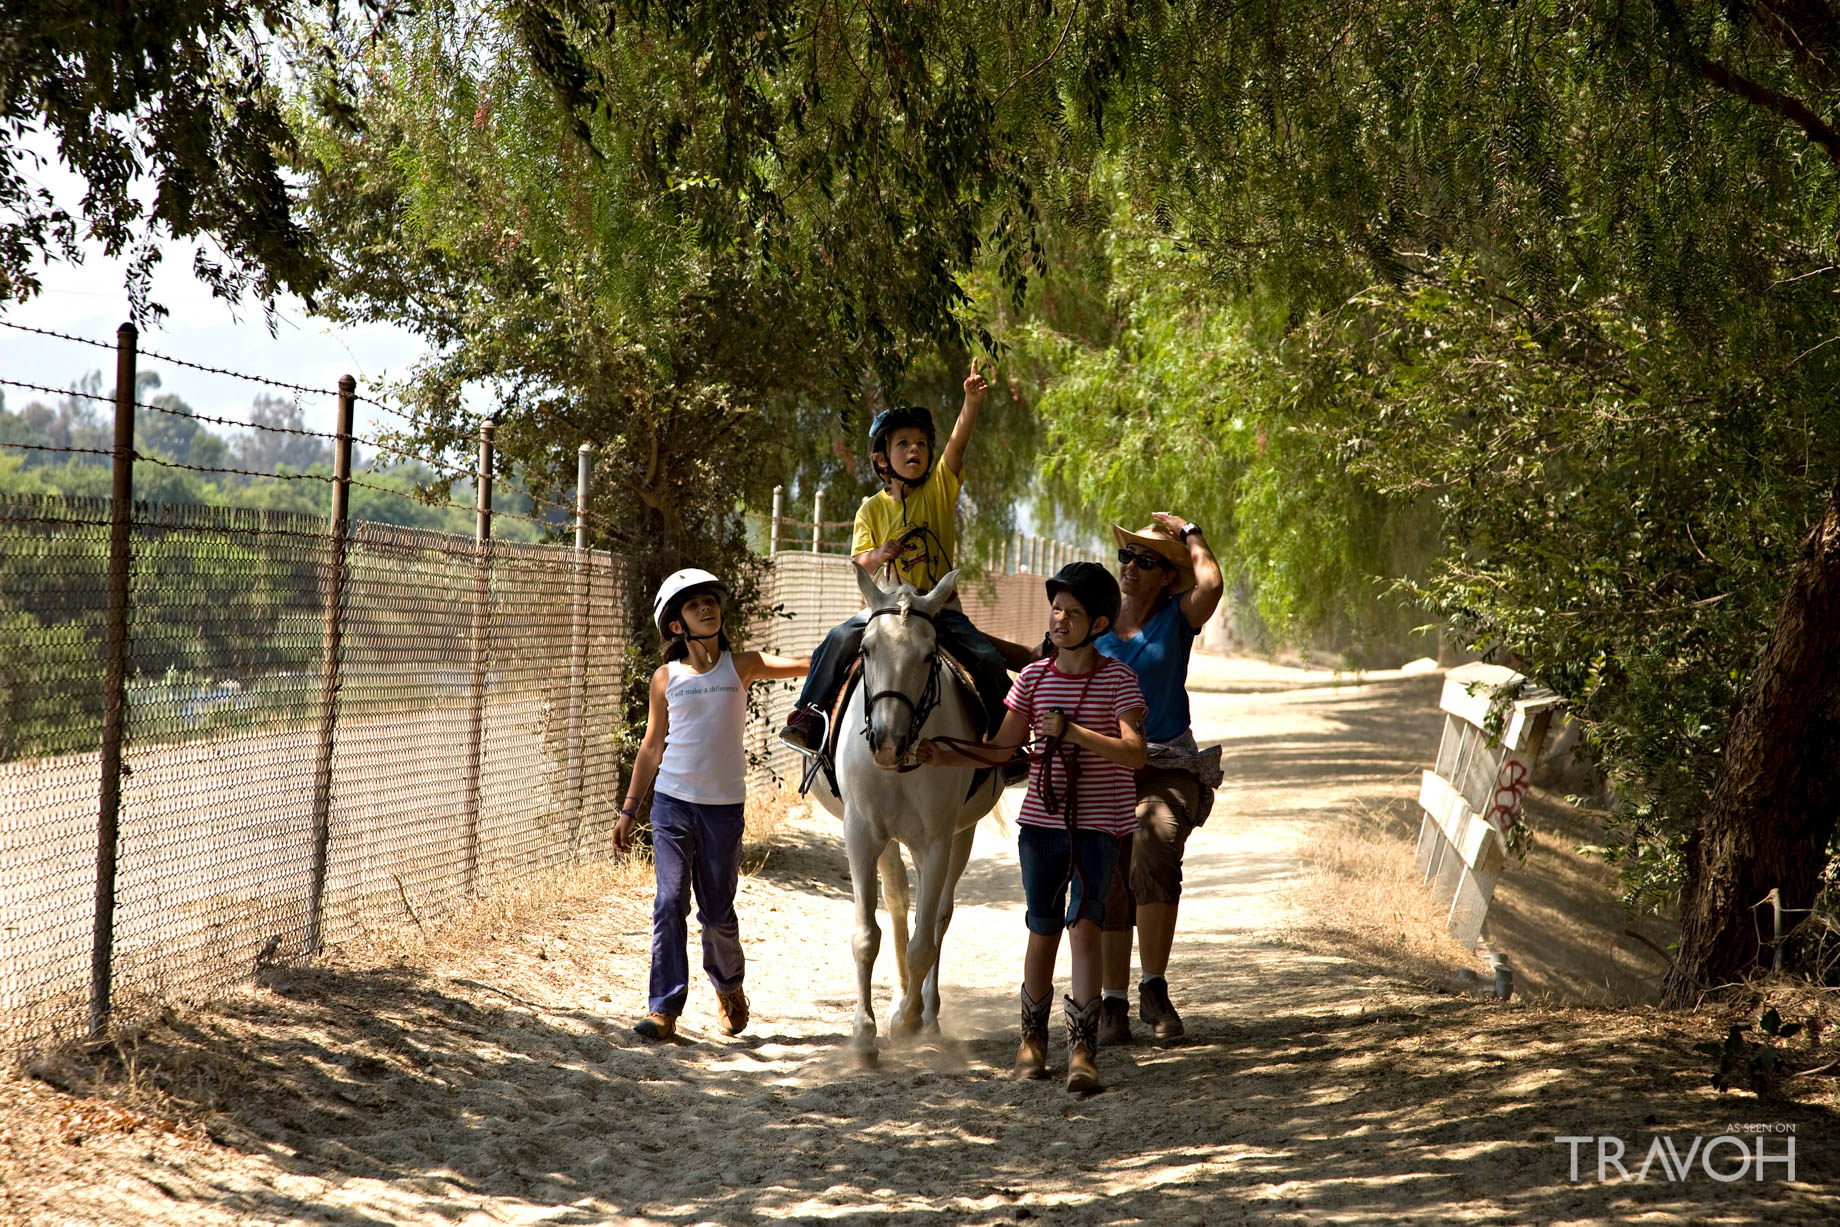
x=1754 y=92
x=1072 y=12
x=1760 y=95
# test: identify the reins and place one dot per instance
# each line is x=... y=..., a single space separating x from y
x=1052 y=749
x=921 y=707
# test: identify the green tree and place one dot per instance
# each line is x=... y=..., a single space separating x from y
x=1553 y=279
x=185 y=96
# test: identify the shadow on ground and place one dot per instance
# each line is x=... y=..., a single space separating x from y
x=1405 y=1111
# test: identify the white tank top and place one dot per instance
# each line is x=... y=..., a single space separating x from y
x=703 y=758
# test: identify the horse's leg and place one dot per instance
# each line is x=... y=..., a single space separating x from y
x=923 y=949
x=955 y=869
x=897 y=897
x=864 y=845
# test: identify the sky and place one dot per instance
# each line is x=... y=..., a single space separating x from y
x=91 y=300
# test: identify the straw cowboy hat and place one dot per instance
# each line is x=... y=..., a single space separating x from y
x=1163 y=542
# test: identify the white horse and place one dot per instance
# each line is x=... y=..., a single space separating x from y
x=905 y=693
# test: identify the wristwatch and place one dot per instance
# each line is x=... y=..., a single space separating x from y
x=1190 y=527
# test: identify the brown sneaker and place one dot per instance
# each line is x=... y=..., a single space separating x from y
x=804 y=730
x=1155 y=1008
x=1083 y=1046
x=1114 y=1022
x=657 y=1026
x=732 y=1012
x=1032 y=1053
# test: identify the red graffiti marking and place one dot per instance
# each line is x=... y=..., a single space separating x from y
x=1510 y=786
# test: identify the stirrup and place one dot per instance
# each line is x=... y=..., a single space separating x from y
x=814 y=759
x=823 y=740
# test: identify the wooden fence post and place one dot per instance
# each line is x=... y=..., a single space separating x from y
x=114 y=683
x=482 y=602
x=573 y=785
x=331 y=664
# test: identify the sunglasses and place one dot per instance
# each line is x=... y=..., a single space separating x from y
x=1143 y=562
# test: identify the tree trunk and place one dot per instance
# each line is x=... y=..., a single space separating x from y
x=1772 y=809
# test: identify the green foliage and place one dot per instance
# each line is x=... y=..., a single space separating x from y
x=185 y=93
x=1757 y=1065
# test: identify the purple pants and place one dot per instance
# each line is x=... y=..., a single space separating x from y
x=694 y=848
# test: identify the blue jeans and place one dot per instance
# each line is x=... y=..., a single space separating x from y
x=1055 y=903
x=694 y=848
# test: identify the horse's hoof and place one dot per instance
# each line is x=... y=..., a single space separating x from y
x=903 y=1028
x=865 y=1058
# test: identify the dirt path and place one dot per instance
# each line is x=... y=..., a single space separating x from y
x=499 y=1082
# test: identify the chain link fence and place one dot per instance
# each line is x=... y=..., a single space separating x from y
x=474 y=695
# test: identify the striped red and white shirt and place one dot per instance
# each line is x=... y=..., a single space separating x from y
x=1105 y=798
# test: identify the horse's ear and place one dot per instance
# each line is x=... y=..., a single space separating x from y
x=935 y=600
x=872 y=593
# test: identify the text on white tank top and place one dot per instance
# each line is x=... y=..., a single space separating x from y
x=703 y=758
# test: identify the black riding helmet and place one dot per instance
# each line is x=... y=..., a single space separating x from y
x=1093 y=587
x=890 y=420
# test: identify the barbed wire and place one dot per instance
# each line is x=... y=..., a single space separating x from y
x=39 y=387
x=378 y=444
x=207 y=468
x=279 y=430
x=160 y=357
x=218 y=370
x=188 y=412
x=65 y=449
x=62 y=336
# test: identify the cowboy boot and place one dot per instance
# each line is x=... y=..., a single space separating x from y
x=1032 y=1053
x=1083 y=1045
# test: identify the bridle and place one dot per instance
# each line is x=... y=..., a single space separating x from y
x=921 y=707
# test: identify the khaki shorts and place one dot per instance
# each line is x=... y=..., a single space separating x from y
x=1151 y=869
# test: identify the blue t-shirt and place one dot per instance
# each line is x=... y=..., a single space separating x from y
x=1158 y=654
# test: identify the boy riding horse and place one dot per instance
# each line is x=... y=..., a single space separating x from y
x=910 y=526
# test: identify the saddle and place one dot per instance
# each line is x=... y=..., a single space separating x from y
x=825 y=759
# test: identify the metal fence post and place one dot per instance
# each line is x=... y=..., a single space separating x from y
x=114 y=683
x=817 y=519
x=578 y=649
x=482 y=602
x=779 y=496
x=331 y=664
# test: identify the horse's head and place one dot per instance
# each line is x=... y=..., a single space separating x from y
x=900 y=664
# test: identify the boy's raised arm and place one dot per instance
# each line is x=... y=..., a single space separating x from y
x=975 y=388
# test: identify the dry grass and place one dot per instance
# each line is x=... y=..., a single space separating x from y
x=767 y=815
x=493 y=916
x=1358 y=891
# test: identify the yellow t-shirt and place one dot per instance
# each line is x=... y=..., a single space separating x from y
x=934 y=507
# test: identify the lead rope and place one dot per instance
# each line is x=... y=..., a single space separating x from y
x=1069 y=757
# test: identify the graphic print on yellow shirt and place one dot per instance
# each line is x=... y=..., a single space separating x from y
x=928 y=555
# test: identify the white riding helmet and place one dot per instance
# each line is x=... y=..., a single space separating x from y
x=678 y=586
